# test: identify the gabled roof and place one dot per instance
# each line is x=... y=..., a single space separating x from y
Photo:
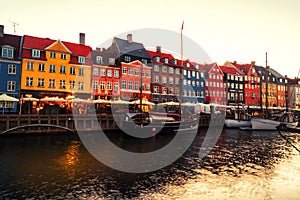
x=130 y=48
x=231 y=70
x=208 y=67
x=243 y=67
x=31 y=42
x=13 y=41
x=56 y=44
x=153 y=54
x=105 y=56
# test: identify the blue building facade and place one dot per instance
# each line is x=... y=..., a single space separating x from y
x=10 y=69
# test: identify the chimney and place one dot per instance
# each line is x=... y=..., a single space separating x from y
x=129 y=38
x=158 y=49
x=98 y=48
x=82 y=38
x=1 y=31
x=268 y=67
x=253 y=62
x=234 y=62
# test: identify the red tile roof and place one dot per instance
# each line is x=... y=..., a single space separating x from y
x=243 y=67
x=231 y=70
x=153 y=54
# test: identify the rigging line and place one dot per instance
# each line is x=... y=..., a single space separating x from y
x=288 y=141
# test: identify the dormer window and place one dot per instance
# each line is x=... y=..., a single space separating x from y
x=81 y=59
x=36 y=53
x=197 y=66
x=157 y=59
x=127 y=59
x=175 y=62
x=187 y=64
x=111 y=61
x=99 y=59
x=7 y=52
x=166 y=60
x=144 y=61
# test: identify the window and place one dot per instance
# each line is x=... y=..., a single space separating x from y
x=102 y=72
x=12 y=69
x=171 y=90
x=111 y=61
x=81 y=72
x=116 y=73
x=193 y=73
x=171 y=80
x=51 y=83
x=81 y=59
x=171 y=70
x=124 y=70
x=7 y=52
x=136 y=85
x=52 y=68
x=72 y=84
x=95 y=85
x=155 y=89
x=102 y=85
x=116 y=86
x=156 y=79
x=188 y=64
x=80 y=86
x=29 y=81
x=164 y=69
x=52 y=54
x=127 y=58
x=95 y=71
x=99 y=60
x=109 y=73
x=41 y=67
x=109 y=86
x=41 y=82
x=62 y=84
x=130 y=71
x=36 y=53
x=164 y=79
x=177 y=71
x=62 y=69
x=164 y=90
x=29 y=66
x=72 y=70
x=157 y=59
x=156 y=68
x=137 y=72
x=144 y=61
x=124 y=85
x=11 y=86
x=63 y=56
x=177 y=81
x=130 y=85
x=148 y=73
x=147 y=87
x=166 y=60
x=184 y=72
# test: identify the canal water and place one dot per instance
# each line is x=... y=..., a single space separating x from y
x=242 y=165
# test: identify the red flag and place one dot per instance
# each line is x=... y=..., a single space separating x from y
x=182 y=25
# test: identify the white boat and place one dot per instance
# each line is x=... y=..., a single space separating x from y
x=234 y=123
x=270 y=124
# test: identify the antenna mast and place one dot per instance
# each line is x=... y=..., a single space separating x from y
x=14 y=25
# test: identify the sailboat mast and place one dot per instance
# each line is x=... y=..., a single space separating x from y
x=180 y=79
x=267 y=79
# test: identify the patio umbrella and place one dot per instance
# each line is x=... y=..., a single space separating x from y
x=144 y=102
x=5 y=98
x=78 y=100
x=30 y=99
x=101 y=101
x=170 y=103
x=120 y=102
x=53 y=99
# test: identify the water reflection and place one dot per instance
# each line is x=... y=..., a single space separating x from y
x=243 y=165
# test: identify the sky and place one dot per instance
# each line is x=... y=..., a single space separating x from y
x=227 y=30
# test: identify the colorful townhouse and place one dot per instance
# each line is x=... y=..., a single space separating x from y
x=281 y=88
x=55 y=68
x=135 y=81
x=294 y=93
x=215 y=87
x=165 y=76
x=268 y=86
x=251 y=83
x=10 y=68
x=193 y=82
x=235 y=83
x=105 y=75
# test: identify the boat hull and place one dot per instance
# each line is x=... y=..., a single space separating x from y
x=233 y=123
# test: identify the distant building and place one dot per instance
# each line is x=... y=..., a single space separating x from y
x=165 y=76
x=10 y=68
x=235 y=83
x=55 y=68
x=215 y=87
x=294 y=93
x=251 y=83
x=105 y=75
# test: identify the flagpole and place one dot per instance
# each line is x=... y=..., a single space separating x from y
x=181 y=55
